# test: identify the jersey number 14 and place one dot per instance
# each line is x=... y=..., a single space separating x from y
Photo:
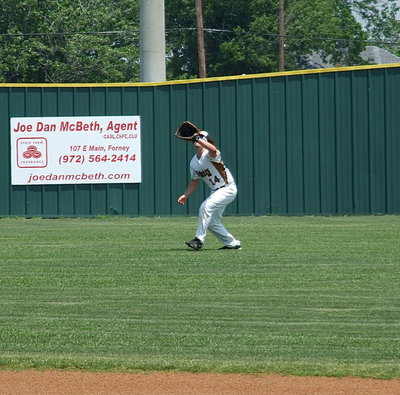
x=216 y=180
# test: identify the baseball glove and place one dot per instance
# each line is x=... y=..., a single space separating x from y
x=187 y=131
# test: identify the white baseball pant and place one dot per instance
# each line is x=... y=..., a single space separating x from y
x=210 y=214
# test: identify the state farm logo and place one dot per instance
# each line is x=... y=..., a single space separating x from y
x=32 y=152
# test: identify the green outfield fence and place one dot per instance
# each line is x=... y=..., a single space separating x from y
x=315 y=142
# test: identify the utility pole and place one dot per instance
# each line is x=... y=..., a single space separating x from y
x=282 y=33
x=152 y=41
x=200 y=39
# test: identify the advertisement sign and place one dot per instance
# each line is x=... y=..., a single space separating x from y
x=75 y=150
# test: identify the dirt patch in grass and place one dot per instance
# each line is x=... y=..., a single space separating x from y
x=60 y=382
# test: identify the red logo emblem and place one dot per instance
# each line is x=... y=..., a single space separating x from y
x=32 y=152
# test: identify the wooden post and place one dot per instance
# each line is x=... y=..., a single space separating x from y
x=200 y=39
x=282 y=33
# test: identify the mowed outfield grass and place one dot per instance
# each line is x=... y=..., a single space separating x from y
x=305 y=296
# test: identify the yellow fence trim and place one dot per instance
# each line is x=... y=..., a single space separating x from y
x=197 y=80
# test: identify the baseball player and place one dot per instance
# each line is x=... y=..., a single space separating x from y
x=207 y=165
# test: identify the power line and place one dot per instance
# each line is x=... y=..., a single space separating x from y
x=109 y=32
x=274 y=36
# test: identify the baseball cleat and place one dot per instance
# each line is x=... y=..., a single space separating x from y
x=237 y=247
x=196 y=244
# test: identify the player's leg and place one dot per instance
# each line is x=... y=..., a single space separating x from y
x=210 y=213
x=221 y=233
x=205 y=213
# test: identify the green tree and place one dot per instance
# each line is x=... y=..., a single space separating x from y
x=379 y=17
x=380 y=21
x=220 y=17
x=326 y=27
x=98 y=40
x=242 y=36
x=81 y=55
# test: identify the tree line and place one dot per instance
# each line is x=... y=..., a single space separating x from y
x=98 y=40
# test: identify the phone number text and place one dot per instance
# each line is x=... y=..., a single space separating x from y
x=81 y=159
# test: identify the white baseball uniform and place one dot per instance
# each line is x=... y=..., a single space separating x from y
x=223 y=191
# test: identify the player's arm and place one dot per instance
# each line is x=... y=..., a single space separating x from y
x=212 y=149
x=191 y=187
